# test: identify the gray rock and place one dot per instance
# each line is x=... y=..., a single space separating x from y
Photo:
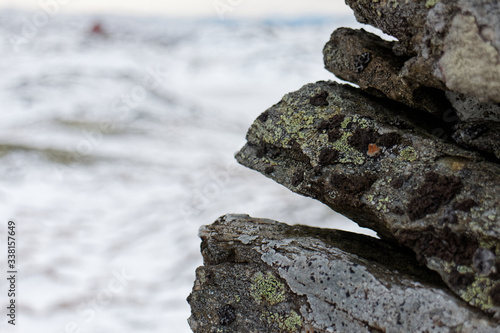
x=263 y=276
x=470 y=109
x=483 y=136
x=452 y=44
x=377 y=163
x=365 y=59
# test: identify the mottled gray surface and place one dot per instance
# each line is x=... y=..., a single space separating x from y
x=483 y=136
x=469 y=108
x=376 y=163
x=263 y=276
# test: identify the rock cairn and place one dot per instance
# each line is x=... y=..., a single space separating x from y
x=413 y=153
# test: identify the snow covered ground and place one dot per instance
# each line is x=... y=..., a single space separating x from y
x=116 y=147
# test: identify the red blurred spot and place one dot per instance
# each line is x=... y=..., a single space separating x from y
x=97 y=29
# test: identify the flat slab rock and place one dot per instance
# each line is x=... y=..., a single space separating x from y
x=375 y=162
x=264 y=276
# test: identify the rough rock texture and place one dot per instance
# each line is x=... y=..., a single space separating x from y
x=365 y=59
x=470 y=109
x=372 y=161
x=483 y=136
x=264 y=276
x=452 y=44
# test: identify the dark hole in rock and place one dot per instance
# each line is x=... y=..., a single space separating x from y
x=268 y=170
x=263 y=116
x=320 y=99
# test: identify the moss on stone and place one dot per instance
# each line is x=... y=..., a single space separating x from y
x=267 y=289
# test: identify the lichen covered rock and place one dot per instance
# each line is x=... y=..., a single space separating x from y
x=377 y=163
x=263 y=276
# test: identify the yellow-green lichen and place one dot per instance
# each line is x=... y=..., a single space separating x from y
x=345 y=122
x=291 y=322
x=295 y=125
x=409 y=154
x=362 y=122
x=267 y=289
x=351 y=155
x=271 y=135
x=431 y=3
x=382 y=204
x=201 y=276
x=477 y=293
x=462 y=269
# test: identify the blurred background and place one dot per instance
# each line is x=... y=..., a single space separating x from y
x=118 y=125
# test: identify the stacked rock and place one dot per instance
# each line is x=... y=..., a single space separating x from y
x=413 y=153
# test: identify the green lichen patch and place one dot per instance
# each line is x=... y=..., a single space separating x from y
x=409 y=154
x=481 y=293
x=350 y=154
x=431 y=3
x=267 y=289
x=290 y=322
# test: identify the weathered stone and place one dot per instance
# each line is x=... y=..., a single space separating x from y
x=380 y=75
x=371 y=160
x=483 y=136
x=453 y=44
x=470 y=109
x=263 y=276
x=403 y=20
